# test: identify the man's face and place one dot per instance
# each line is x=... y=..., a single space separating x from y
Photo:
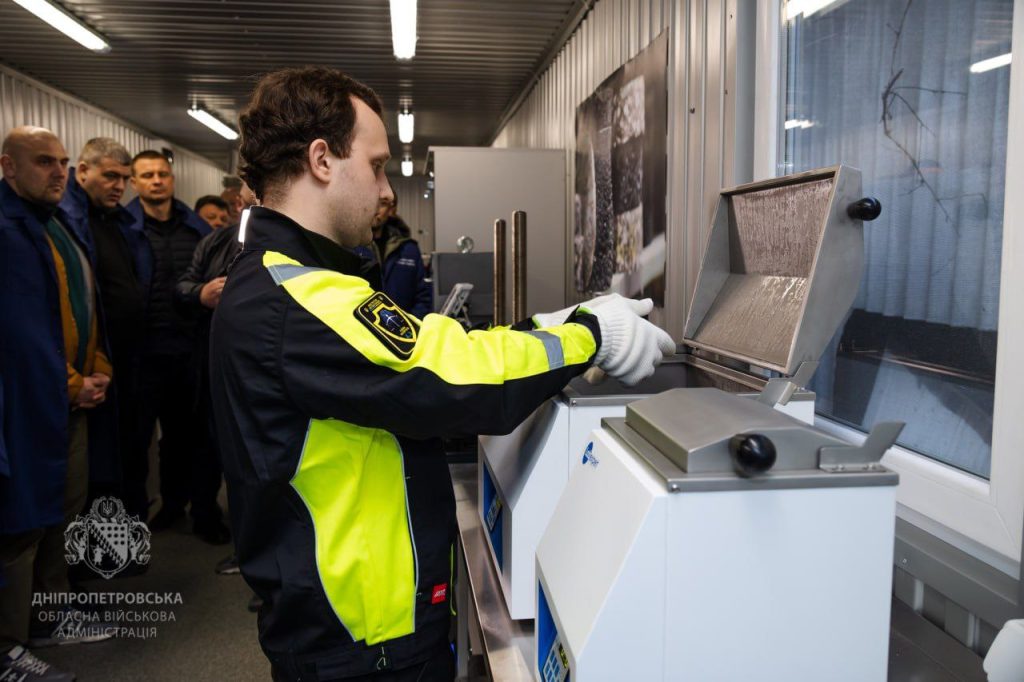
x=383 y=211
x=37 y=168
x=246 y=196
x=153 y=180
x=234 y=200
x=355 y=192
x=217 y=217
x=104 y=182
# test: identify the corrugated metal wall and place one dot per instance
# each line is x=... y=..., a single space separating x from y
x=612 y=34
x=25 y=101
x=706 y=126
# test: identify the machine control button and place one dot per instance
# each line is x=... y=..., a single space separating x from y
x=752 y=453
x=865 y=209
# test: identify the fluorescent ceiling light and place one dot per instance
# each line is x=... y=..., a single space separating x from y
x=795 y=8
x=66 y=24
x=403 y=28
x=989 y=64
x=405 y=127
x=212 y=123
x=407 y=167
x=798 y=123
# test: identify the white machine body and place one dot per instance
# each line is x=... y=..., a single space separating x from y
x=639 y=583
x=522 y=476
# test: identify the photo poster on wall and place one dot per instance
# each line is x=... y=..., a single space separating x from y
x=621 y=178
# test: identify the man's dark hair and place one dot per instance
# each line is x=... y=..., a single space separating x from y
x=288 y=110
x=147 y=154
x=211 y=199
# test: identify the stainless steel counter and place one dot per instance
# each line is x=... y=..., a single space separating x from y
x=484 y=626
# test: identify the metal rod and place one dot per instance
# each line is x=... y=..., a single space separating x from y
x=499 y=273
x=519 y=266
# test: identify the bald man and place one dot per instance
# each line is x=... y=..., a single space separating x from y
x=53 y=374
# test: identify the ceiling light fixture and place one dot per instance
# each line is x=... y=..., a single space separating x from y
x=403 y=28
x=212 y=123
x=67 y=24
x=407 y=167
x=994 y=63
x=405 y=126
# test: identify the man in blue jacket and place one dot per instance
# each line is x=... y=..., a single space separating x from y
x=403 y=275
x=54 y=374
x=167 y=377
x=92 y=199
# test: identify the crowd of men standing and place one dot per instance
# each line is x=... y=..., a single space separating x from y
x=105 y=313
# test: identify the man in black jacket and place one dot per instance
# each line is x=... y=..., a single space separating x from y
x=167 y=375
x=198 y=290
x=330 y=400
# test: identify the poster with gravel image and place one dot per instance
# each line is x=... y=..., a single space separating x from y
x=619 y=199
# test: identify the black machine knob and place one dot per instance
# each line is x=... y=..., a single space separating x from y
x=752 y=453
x=865 y=209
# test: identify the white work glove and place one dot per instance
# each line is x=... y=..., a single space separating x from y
x=541 y=320
x=631 y=347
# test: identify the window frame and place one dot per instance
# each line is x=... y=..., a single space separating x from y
x=983 y=517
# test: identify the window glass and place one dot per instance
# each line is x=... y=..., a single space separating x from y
x=915 y=94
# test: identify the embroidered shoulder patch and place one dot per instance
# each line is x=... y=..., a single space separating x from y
x=389 y=323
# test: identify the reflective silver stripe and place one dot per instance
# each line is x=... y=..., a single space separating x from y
x=553 y=347
x=285 y=272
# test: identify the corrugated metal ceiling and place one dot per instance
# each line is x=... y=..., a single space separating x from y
x=472 y=58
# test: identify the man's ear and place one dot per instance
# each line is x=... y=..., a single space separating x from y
x=81 y=169
x=320 y=158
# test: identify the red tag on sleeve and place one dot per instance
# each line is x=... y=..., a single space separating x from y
x=439 y=593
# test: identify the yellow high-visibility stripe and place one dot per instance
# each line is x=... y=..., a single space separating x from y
x=352 y=480
x=443 y=347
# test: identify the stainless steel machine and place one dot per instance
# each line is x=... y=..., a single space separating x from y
x=709 y=536
x=782 y=266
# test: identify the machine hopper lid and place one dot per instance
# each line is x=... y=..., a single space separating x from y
x=781 y=268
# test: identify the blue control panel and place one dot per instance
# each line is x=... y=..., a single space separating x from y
x=552 y=661
x=492 y=515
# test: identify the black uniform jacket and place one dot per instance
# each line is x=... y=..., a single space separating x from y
x=330 y=403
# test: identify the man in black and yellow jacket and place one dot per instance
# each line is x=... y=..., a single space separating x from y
x=330 y=400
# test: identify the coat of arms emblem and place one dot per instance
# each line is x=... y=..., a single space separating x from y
x=106 y=538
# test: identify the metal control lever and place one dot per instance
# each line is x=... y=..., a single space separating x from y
x=865 y=209
x=779 y=390
x=863 y=457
